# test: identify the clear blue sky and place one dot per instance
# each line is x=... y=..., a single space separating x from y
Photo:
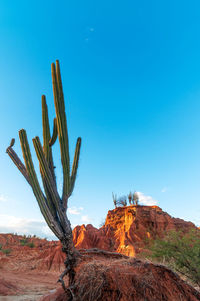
x=131 y=76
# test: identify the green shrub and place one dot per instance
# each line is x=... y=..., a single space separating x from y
x=180 y=252
x=6 y=251
x=0 y=246
x=23 y=242
x=31 y=244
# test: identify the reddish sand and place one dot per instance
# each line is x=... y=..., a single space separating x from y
x=29 y=286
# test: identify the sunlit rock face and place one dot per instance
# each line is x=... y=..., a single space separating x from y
x=126 y=231
x=127 y=228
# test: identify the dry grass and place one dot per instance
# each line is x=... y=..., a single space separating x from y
x=91 y=281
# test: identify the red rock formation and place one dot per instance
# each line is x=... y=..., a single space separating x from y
x=8 y=288
x=52 y=259
x=44 y=256
x=126 y=229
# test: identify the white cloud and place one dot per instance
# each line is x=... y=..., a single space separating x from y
x=3 y=198
x=12 y=224
x=85 y=219
x=146 y=199
x=75 y=211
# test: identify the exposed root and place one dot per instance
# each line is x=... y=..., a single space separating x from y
x=66 y=271
x=70 y=263
x=70 y=290
x=92 y=288
x=96 y=251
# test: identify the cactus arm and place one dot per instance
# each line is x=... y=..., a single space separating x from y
x=12 y=142
x=46 y=173
x=48 y=154
x=59 y=82
x=75 y=165
x=55 y=133
x=47 y=136
x=62 y=127
x=46 y=129
x=54 y=226
x=16 y=160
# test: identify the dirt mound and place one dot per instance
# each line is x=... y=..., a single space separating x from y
x=127 y=228
x=111 y=278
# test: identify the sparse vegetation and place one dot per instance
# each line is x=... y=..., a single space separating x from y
x=122 y=201
x=31 y=244
x=26 y=242
x=6 y=251
x=133 y=199
x=23 y=242
x=181 y=252
x=52 y=205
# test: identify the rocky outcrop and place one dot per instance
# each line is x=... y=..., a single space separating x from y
x=52 y=259
x=100 y=275
x=8 y=288
x=43 y=255
x=127 y=228
x=125 y=231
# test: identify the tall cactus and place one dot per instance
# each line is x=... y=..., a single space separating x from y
x=52 y=205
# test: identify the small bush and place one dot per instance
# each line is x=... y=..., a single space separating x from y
x=23 y=242
x=6 y=251
x=0 y=246
x=180 y=252
x=30 y=244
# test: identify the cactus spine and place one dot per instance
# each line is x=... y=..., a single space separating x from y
x=52 y=206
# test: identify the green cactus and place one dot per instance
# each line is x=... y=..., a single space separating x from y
x=52 y=206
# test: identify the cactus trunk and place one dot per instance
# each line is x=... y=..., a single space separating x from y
x=52 y=206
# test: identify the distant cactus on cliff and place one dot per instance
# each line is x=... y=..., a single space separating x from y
x=52 y=206
x=122 y=201
x=130 y=198
x=133 y=199
x=114 y=196
x=136 y=198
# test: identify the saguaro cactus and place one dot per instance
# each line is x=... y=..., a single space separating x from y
x=52 y=206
